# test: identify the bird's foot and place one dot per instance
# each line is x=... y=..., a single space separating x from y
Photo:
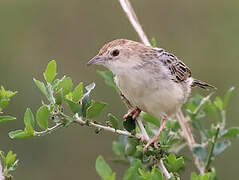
x=154 y=141
x=134 y=112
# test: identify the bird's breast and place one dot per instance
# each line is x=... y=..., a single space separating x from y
x=157 y=96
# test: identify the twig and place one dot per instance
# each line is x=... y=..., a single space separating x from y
x=187 y=134
x=49 y=130
x=164 y=170
x=209 y=160
x=142 y=129
x=129 y=11
x=203 y=101
x=80 y=121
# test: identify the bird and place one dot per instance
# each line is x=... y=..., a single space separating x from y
x=150 y=78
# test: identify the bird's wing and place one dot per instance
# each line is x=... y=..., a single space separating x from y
x=179 y=71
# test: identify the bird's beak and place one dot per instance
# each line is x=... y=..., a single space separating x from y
x=96 y=60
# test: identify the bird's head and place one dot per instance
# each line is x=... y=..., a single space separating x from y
x=120 y=56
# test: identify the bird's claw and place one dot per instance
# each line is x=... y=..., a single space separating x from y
x=134 y=112
x=154 y=141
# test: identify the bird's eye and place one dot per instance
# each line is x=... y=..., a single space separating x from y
x=115 y=52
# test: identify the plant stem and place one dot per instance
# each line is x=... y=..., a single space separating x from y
x=164 y=170
x=80 y=121
x=129 y=11
x=209 y=159
x=49 y=130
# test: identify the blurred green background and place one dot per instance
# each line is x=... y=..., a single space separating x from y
x=204 y=34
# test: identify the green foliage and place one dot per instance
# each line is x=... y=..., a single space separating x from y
x=50 y=72
x=95 y=109
x=103 y=169
x=29 y=122
x=61 y=94
x=6 y=118
x=114 y=121
x=129 y=124
x=207 y=176
x=109 y=79
x=174 y=164
x=5 y=96
x=9 y=162
x=133 y=172
x=42 y=117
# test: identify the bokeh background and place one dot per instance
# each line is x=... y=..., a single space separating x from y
x=202 y=33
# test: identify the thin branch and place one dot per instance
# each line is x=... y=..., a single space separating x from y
x=187 y=134
x=209 y=160
x=203 y=101
x=49 y=130
x=142 y=129
x=163 y=169
x=80 y=121
x=129 y=11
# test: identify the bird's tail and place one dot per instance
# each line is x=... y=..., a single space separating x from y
x=202 y=84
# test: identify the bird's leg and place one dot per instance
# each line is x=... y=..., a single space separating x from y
x=155 y=138
x=133 y=111
x=126 y=100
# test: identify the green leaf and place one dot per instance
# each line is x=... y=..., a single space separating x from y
x=95 y=109
x=118 y=148
x=156 y=174
x=129 y=124
x=130 y=147
x=194 y=176
x=66 y=85
x=153 y=42
x=207 y=176
x=42 y=117
x=227 y=97
x=59 y=97
x=42 y=87
x=113 y=120
x=3 y=158
x=193 y=103
x=220 y=147
x=231 y=132
x=200 y=152
x=50 y=72
x=74 y=106
x=174 y=164
x=78 y=92
x=6 y=118
x=102 y=168
x=3 y=103
x=144 y=175
x=29 y=121
x=85 y=102
x=149 y=118
x=6 y=94
x=10 y=158
x=109 y=79
x=18 y=134
x=218 y=103
x=132 y=173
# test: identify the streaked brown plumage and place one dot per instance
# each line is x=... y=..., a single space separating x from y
x=152 y=79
